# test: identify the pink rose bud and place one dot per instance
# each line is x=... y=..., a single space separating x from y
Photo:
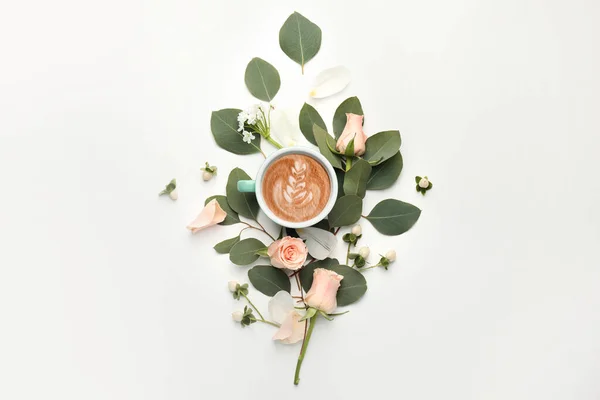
x=288 y=253
x=352 y=130
x=323 y=290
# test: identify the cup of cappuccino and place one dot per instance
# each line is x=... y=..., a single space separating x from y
x=296 y=187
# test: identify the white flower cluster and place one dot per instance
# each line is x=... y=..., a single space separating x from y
x=250 y=117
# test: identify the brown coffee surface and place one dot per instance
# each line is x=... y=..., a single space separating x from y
x=296 y=187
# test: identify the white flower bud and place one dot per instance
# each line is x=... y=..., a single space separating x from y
x=357 y=230
x=232 y=285
x=207 y=176
x=173 y=195
x=364 y=252
x=424 y=183
x=237 y=316
x=391 y=255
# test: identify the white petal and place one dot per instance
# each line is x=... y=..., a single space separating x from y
x=320 y=243
x=330 y=82
x=280 y=306
x=284 y=126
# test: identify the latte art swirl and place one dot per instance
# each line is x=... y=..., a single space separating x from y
x=296 y=188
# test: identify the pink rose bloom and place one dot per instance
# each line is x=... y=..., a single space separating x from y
x=323 y=290
x=288 y=253
x=352 y=130
x=210 y=215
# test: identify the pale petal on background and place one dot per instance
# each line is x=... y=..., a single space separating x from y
x=280 y=306
x=320 y=243
x=210 y=215
x=291 y=330
x=330 y=82
x=285 y=127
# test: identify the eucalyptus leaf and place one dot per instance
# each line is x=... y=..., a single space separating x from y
x=262 y=79
x=350 y=105
x=321 y=136
x=340 y=175
x=244 y=204
x=224 y=127
x=232 y=217
x=355 y=181
x=300 y=39
x=308 y=118
x=382 y=146
x=385 y=174
x=349 y=152
x=393 y=217
x=346 y=211
x=245 y=251
x=225 y=246
x=306 y=273
x=269 y=280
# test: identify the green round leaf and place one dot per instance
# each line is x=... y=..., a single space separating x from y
x=269 y=280
x=350 y=105
x=340 y=174
x=308 y=118
x=300 y=39
x=382 y=146
x=244 y=204
x=355 y=181
x=232 y=217
x=224 y=125
x=262 y=79
x=321 y=136
x=346 y=211
x=244 y=251
x=385 y=174
x=306 y=273
x=393 y=217
x=225 y=246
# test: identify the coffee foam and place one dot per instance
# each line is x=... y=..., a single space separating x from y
x=296 y=187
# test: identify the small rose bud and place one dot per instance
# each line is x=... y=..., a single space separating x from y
x=174 y=195
x=364 y=252
x=391 y=255
x=232 y=285
x=237 y=316
x=207 y=176
x=357 y=230
x=424 y=183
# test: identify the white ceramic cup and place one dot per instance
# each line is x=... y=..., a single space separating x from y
x=256 y=185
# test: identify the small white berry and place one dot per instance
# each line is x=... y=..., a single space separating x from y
x=364 y=252
x=207 y=176
x=391 y=255
x=232 y=285
x=424 y=183
x=173 y=195
x=357 y=230
x=237 y=316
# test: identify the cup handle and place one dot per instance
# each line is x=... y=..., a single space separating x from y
x=246 y=186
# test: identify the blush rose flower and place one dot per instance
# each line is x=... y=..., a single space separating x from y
x=352 y=130
x=210 y=215
x=323 y=290
x=288 y=253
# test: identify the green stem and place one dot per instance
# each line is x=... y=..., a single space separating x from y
x=311 y=326
x=348 y=254
x=273 y=142
x=253 y=306
x=268 y=322
x=372 y=266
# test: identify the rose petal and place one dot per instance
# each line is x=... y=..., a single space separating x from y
x=330 y=82
x=280 y=306
x=291 y=330
x=285 y=128
x=210 y=215
x=320 y=243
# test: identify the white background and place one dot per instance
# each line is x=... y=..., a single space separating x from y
x=105 y=295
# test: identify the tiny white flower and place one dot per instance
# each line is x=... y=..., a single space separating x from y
x=248 y=137
x=237 y=316
x=391 y=255
x=242 y=117
x=173 y=195
x=232 y=285
x=364 y=252
x=357 y=230
x=424 y=183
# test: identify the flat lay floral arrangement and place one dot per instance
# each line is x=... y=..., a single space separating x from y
x=296 y=268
